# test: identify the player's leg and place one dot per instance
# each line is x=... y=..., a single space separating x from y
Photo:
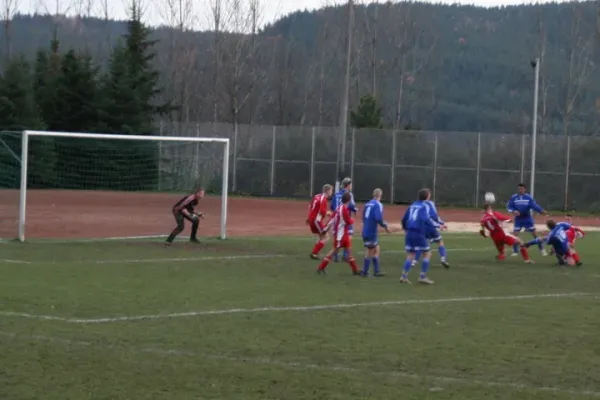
x=349 y=257
x=376 y=271
x=531 y=228
x=369 y=252
x=317 y=228
x=575 y=257
x=410 y=246
x=327 y=259
x=178 y=229
x=195 y=223
x=516 y=231
x=499 y=243
x=512 y=240
x=345 y=252
x=425 y=266
x=442 y=250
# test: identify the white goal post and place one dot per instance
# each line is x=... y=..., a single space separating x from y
x=102 y=146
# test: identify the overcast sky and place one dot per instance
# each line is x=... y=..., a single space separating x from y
x=155 y=11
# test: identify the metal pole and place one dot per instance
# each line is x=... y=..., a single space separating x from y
x=435 y=157
x=224 y=191
x=345 y=93
x=352 y=153
x=312 y=161
x=522 y=158
x=477 y=174
x=272 y=178
x=536 y=65
x=235 y=140
x=567 y=172
x=393 y=167
x=23 y=190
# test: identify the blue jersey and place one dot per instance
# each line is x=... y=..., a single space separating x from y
x=336 y=201
x=557 y=238
x=433 y=215
x=372 y=218
x=524 y=204
x=417 y=218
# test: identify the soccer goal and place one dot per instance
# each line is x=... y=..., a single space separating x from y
x=110 y=186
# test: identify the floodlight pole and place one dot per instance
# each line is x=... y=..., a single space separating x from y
x=536 y=66
x=344 y=99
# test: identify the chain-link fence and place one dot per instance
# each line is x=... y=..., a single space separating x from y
x=458 y=166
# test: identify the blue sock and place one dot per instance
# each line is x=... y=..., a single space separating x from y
x=366 y=264
x=407 y=266
x=418 y=255
x=345 y=256
x=442 y=250
x=424 y=267
x=541 y=245
x=515 y=248
x=376 y=265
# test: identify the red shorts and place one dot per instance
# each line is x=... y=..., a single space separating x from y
x=344 y=243
x=316 y=227
x=504 y=239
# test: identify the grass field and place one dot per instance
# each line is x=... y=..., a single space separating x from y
x=249 y=319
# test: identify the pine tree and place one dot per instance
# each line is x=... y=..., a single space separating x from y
x=46 y=82
x=18 y=112
x=368 y=114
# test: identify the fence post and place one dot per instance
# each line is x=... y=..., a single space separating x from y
x=477 y=174
x=435 y=159
x=522 y=158
x=353 y=154
x=235 y=141
x=567 y=172
x=197 y=161
x=272 y=179
x=393 y=167
x=312 y=161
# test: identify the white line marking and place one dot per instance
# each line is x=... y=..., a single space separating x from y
x=15 y=261
x=286 y=309
x=310 y=366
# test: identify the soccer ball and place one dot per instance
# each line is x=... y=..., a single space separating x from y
x=490 y=198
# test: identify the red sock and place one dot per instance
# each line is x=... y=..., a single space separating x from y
x=353 y=265
x=318 y=247
x=324 y=263
x=524 y=253
x=576 y=257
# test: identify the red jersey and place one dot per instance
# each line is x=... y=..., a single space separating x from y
x=341 y=221
x=492 y=221
x=573 y=233
x=318 y=208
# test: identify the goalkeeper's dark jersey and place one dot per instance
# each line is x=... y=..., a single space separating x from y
x=186 y=203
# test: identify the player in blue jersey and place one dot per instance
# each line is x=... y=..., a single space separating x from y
x=372 y=220
x=435 y=236
x=336 y=201
x=416 y=223
x=522 y=205
x=558 y=239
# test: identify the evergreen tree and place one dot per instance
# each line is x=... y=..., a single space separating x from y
x=367 y=114
x=18 y=112
x=46 y=82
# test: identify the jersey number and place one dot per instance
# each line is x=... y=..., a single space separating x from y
x=367 y=212
x=413 y=213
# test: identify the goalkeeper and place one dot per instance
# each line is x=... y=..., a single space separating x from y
x=185 y=209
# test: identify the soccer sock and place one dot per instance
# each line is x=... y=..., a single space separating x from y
x=541 y=245
x=407 y=267
x=576 y=257
x=418 y=255
x=366 y=264
x=318 y=247
x=515 y=248
x=324 y=263
x=376 y=265
x=353 y=265
x=524 y=253
x=424 y=267
x=345 y=256
x=442 y=250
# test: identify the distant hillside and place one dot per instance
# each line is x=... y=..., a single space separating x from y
x=459 y=68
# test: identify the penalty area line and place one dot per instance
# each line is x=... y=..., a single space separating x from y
x=321 y=307
x=267 y=361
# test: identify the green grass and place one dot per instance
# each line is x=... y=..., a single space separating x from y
x=491 y=348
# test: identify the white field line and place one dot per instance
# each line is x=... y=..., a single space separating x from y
x=321 y=307
x=310 y=366
x=204 y=258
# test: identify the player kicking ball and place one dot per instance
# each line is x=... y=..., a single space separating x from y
x=184 y=210
x=492 y=221
x=558 y=239
x=416 y=222
x=372 y=220
x=317 y=212
x=522 y=206
x=340 y=223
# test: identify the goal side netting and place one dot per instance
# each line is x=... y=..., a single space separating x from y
x=105 y=186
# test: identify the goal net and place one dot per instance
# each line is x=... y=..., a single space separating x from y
x=94 y=186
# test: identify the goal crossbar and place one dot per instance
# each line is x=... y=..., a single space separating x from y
x=76 y=135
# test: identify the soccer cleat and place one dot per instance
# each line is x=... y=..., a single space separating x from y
x=364 y=274
x=426 y=281
x=314 y=256
x=579 y=264
x=414 y=263
x=544 y=254
x=379 y=275
x=321 y=271
x=405 y=280
x=194 y=240
x=356 y=273
x=500 y=257
x=514 y=254
x=168 y=244
x=445 y=264
x=529 y=262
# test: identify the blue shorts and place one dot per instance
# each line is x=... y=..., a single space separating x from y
x=370 y=242
x=433 y=235
x=561 y=248
x=526 y=223
x=416 y=241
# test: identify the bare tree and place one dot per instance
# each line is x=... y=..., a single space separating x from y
x=9 y=9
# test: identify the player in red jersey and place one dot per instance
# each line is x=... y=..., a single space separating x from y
x=574 y=232
x=492 y=221
x=342 y=239
x=317 y=211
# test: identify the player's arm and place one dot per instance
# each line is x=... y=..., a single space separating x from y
x=578 y=230
x=536 y=207
x=379 y=218
x=405 y=218
x=347 y=217
x=482 y=230
x=510 y=206
x=501 y=217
